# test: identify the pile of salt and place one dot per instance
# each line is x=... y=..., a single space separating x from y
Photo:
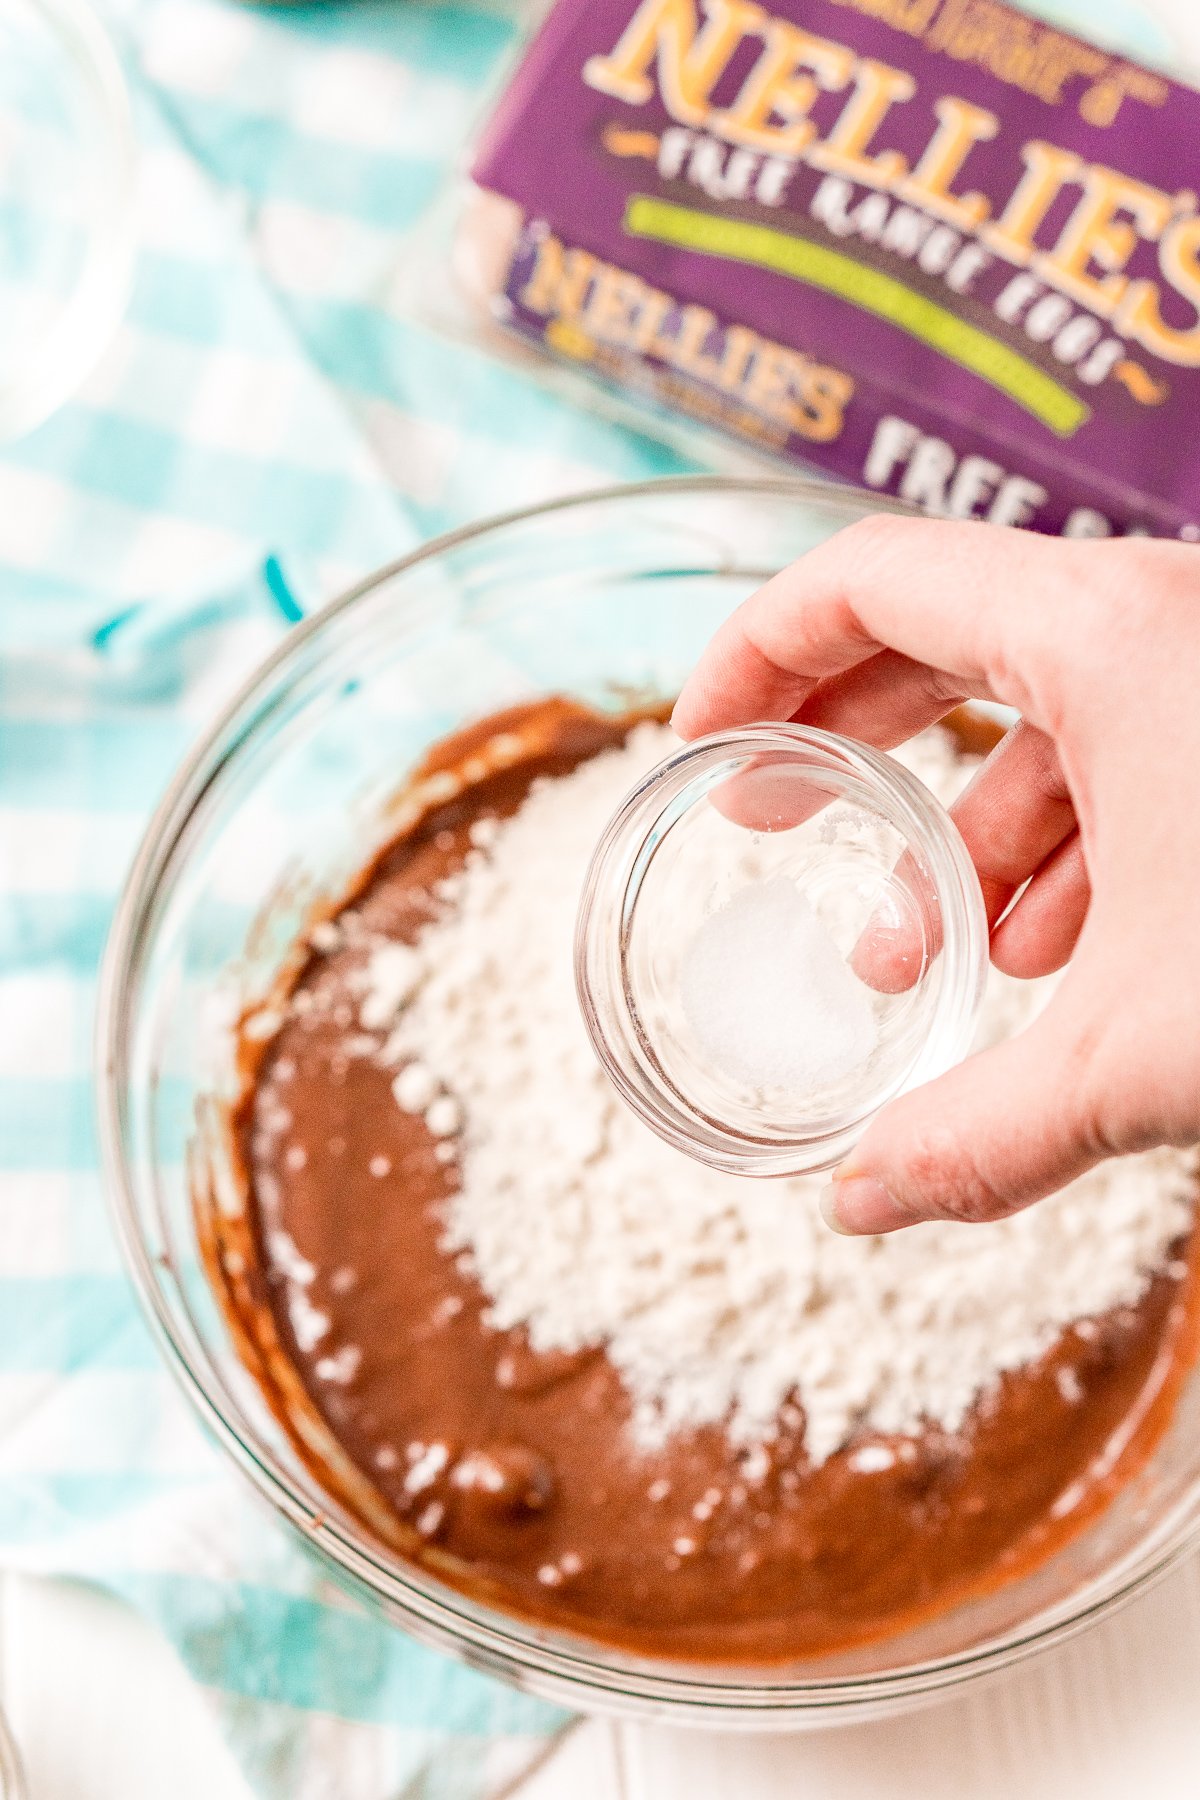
x=770 y=997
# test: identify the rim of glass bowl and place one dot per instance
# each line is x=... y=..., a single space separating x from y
x=614 y=879
x=12 y=1774
x=61 y=361
x=558 y=1666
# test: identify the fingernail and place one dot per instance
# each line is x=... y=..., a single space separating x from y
x=860 y=1206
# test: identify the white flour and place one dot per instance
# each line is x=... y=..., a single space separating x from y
x=716 y=1298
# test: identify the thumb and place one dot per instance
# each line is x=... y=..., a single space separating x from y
x=1005 y=1127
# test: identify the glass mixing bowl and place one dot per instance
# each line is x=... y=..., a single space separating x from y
x=608 y=598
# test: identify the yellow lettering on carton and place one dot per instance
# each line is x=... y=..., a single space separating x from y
x=771 y=112
x=559 y=280
x=960 y=127
x=1140 y=315
x=690 y=57
x=1047 y=171
x=877 y=88
x=1097 y=236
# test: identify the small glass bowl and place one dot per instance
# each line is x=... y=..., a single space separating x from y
x=753 y=818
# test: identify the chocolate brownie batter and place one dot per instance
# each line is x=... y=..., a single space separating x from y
x=510 y=1473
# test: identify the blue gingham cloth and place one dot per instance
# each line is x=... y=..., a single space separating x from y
x=267 y=426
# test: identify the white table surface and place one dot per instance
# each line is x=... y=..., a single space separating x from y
x=102 y=1710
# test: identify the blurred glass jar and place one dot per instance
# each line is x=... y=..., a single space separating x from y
x=66 y=203
x=775 y=815
x=12 y=1780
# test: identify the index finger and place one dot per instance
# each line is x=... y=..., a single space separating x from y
x=955 y=597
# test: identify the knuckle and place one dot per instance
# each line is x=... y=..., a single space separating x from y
x=1171 y=568
x=1118 y=590
x=1031 y=645
x=935 y=687
x=1112 y=1102
x=1124 y=1101
x=1045 y=772
x=879 y=536
x=1105 y=1126
x=947 y=1179
x=1099 y=1130
x=1087 y=1090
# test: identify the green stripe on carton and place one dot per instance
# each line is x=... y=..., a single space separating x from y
x=738 y=240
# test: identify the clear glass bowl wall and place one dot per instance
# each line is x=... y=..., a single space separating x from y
x=12 y=1780
x=607 y=599
x=67 y=203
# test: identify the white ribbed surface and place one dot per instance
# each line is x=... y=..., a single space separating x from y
x=103 y=1711
x=1110 y=1717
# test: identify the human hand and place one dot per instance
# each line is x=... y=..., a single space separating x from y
x=1093 y=799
